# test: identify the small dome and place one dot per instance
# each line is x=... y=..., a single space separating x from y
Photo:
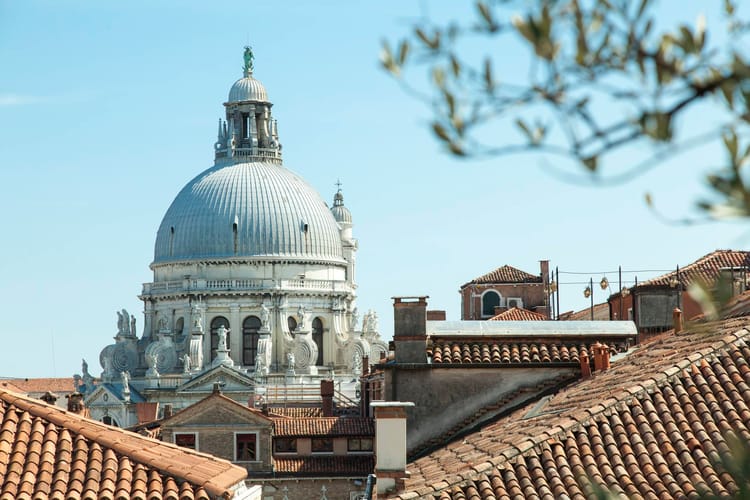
x=339 y=211
x=248 y=89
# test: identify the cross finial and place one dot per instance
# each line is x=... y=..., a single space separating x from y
x=338 y=184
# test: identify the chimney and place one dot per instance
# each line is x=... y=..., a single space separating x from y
x=601 y=357
x=585 y=365
x=410 y=329
x=326 y=394
x=75 y=403
x=168 y=412
x=436 y=315
x=677 y=320
x=49 y=397
x=390 y=444
x=365 y=366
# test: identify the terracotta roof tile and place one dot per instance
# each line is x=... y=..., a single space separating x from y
x=46 y=452
x=659 y=439
x=38 y=385
x=297 y=411
x=601 y=312
x=706 y=269
x=518 y=314
x=455 y=351
x=505 y=274
x=324 y=426
x=344 y=465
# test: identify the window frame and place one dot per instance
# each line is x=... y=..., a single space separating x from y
x=360 y=450
x=250 y=337
x=321 y=452
x=292 y=441
x=235 y=440
x=195 y=439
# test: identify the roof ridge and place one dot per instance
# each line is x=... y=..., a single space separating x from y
x=91 y=429
x=637 y=389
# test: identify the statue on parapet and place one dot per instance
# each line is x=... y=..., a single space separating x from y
x=264 y=317
x=185 y=362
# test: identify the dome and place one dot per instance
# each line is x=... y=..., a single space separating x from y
x=248 y=210
x=247 y=89
x=339 y=211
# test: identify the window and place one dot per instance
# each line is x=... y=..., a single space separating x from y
x=285 y=445
x=110 y=421
x=360 y=444
x=490 y=300
x=317 y=336
x=322 y=445
x=292 y=323
x=245 y=446
x=215 y=324
x=250 y=335
x=186 y=439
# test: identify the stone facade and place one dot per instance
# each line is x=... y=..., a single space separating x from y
x=252 y=272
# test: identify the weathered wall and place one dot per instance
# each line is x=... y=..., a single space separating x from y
x=445 y=397
x=310 y=488
x=216 y=436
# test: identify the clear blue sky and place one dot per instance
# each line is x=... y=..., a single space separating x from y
x=108 y=108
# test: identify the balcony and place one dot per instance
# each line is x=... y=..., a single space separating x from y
x=241 y=285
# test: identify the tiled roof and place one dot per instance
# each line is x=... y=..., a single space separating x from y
x=652 y=426
x=601 y=313
x=706 y=269
x=39 y=385
x=47 y=452
x=296 y=411
x=330 y=465
x=518 y=314
x=324 y=426
x=505 y=274
x=445 y=351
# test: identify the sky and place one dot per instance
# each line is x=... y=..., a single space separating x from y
x=108 y=109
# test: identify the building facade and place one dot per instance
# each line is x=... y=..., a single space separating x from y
x=252 y=272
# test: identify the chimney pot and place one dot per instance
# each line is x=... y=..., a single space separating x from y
x=585 y=365
x=677 y=320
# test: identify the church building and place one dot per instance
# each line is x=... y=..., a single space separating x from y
x=254 y=282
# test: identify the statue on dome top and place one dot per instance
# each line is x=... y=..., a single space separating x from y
x=248 y=56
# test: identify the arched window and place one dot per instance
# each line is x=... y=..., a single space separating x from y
x=250 y=328
x=317 y=336
x=490 y=300
x=179 y=326
x=292 y=322
x=215 y=324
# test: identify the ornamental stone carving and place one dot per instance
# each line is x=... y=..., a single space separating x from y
x=305 y=352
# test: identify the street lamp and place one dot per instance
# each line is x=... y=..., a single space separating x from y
x=588 y=292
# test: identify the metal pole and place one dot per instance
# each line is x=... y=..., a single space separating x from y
x=557 y=294
x=591 y=286
x=619 y=273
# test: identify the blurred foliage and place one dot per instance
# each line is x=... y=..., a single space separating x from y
x=586 y=57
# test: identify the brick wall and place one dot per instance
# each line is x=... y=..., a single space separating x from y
x=310 y=489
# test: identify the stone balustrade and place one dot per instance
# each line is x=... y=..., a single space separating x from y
x=233 y=285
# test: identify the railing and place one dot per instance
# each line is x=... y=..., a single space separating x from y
x=243 y=284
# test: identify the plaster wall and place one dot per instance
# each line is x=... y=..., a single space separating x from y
x=390 y=447
x=446 y=397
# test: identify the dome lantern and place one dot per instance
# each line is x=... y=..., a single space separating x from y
x=249 y=132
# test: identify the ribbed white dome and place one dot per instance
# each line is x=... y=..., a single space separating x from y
x=247 y=89
x=277 y=214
